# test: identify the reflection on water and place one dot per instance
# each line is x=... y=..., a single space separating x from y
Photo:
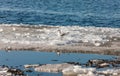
x=20 y=58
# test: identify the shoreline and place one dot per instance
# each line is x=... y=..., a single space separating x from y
x=62 y=49
x=60 y=39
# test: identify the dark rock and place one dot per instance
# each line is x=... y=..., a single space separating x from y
x=74 y=63
x=29 y=71
x=95 y=62
x=115 y=63
x=16 y=71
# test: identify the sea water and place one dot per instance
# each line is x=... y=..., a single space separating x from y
x=20 y=58
x=100 y=13
x=103 y=13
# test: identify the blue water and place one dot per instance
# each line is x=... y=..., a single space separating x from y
x=15 y=58
x=20 y=58
x=103 y=13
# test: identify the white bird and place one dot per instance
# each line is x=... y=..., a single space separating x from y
x=1 y=30
x=14 y=29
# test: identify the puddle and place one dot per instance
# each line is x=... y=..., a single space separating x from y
x=19 y=58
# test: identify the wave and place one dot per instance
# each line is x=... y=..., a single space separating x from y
x=61 y=12
x=79 y=14
x=51 y=17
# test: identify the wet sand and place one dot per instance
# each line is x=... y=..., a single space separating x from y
x=46 y=38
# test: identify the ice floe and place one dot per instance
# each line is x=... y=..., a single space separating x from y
x=58 y=35
x=77 y=69
x=60 y=38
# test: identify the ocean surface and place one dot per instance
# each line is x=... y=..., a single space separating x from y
x=102 y=13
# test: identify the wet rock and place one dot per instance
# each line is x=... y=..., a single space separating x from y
x=15 y=71
x=99 y=63
x=115 y=63
x=95 y=62
x=29 y=71
x=74 y=63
